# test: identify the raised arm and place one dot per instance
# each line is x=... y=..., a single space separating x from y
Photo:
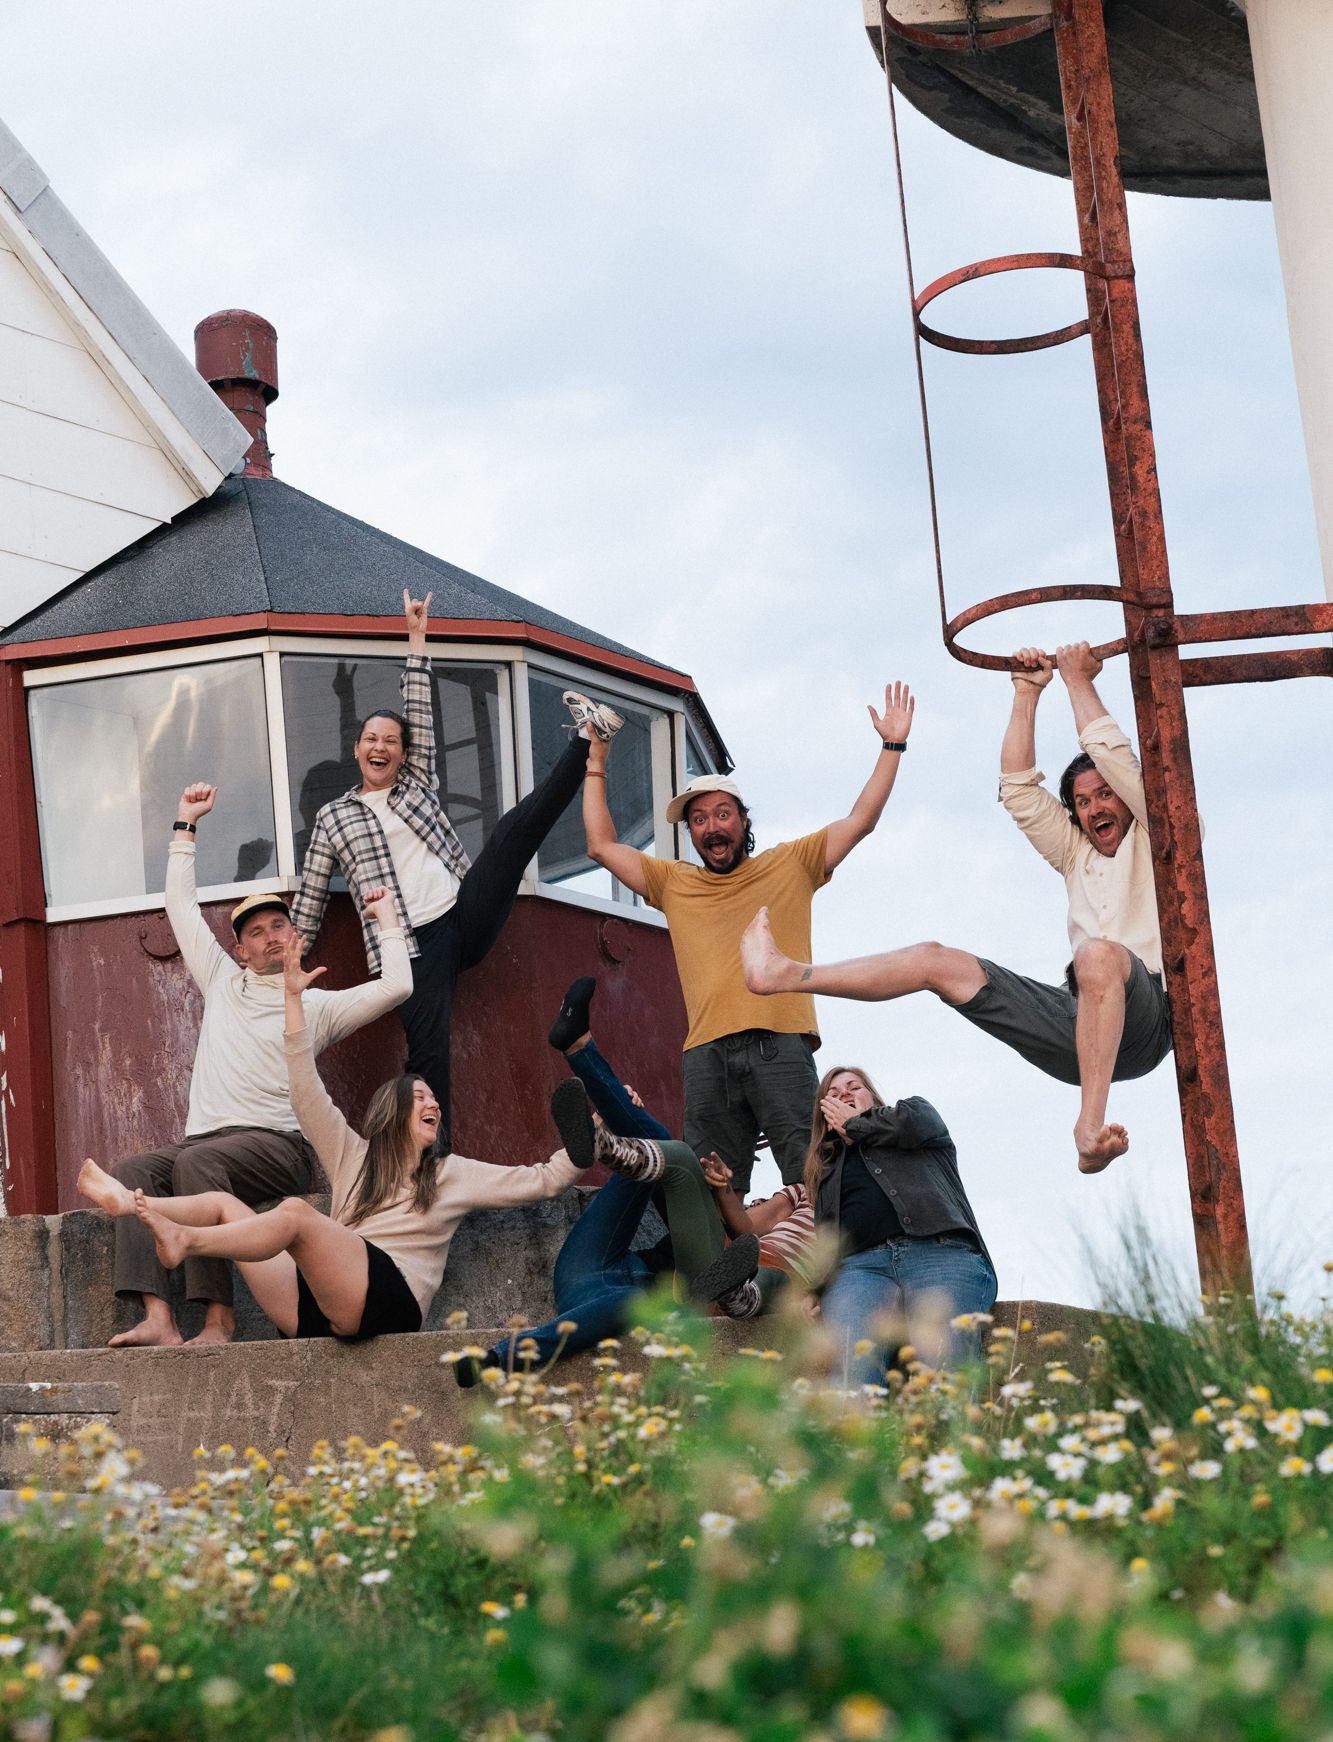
x=414 y=686
x=204 y=956
x=1040 y=815
x=334 y=1141
x=1111 y=751
x=342 y=1013
x=312 y=896
x=624 y=863
x=892 y=728
x=1079 y=666
x=1033 y=672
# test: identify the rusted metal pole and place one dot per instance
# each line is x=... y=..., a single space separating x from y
x=1212 y=1160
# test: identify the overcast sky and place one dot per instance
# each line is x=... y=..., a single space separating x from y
x=607 y=304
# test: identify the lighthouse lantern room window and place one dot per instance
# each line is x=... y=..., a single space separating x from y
x=111 y=756
x=324 y=700
x=274 y=728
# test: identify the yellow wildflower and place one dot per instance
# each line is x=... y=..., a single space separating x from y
x=863 y=1718
x=281 y=1673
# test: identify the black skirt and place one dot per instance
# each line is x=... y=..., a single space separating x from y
x=390 y=1303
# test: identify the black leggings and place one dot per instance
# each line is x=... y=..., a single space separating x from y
x=458 y=940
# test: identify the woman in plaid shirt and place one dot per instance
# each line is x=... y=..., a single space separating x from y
x=391 y=832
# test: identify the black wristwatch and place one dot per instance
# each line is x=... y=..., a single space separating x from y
x=894 y=744
x=180 y=825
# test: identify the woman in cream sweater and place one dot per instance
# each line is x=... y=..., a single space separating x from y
x=374 y=1263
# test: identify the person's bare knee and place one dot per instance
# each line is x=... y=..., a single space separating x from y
x=298 y=1218
x=951 y=974
x=231 y=1209
x=1100 y=964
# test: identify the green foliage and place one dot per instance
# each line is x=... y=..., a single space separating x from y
x=691 y=1550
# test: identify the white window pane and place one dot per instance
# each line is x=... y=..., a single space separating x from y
x=563 y=858
x=111 y=757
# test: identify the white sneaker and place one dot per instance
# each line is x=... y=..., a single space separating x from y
x=605 y=722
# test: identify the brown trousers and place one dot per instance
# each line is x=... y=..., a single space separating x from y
x=254 y=1166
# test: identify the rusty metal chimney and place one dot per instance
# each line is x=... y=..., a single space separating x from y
x=236 y=352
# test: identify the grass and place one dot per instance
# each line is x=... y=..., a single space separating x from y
x=701 y=1551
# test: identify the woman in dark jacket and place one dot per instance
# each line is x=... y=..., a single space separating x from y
x=886 y=1179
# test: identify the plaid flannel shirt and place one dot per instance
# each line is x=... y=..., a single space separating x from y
x=347 y=836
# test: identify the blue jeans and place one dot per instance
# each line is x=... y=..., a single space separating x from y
x=596 y=1275
x=607 y=1094
x=920 y=1283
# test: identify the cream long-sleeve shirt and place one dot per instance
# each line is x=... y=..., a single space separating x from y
x=416 y=1240
x=1108 y=897
x=240 y=1069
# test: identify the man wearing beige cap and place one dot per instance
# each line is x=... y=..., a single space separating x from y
x=749 y=1065
x=241 y=1135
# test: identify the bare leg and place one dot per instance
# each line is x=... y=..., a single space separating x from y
x=332 y=1258
x=1102 y=970
x=953 y=975
x=157 y=1329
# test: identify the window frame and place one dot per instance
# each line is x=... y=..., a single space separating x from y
x=512 y=663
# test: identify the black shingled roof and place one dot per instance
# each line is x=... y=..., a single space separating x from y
x=258 y=545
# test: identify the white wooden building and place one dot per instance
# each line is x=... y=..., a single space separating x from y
x=106 y=429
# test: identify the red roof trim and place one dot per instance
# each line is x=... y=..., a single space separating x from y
x=283 y=622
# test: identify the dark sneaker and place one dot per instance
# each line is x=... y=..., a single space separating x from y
x=603 y=722
x=745 y=1302
x=734 y=1266
x=573 y=1120
x=572 y=1022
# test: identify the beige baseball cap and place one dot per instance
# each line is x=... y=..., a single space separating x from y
x=702 y=783
x=255 y=904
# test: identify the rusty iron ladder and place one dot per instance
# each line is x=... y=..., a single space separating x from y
x=1154 y=632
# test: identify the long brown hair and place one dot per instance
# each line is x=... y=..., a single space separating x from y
x=389 y=1166
x=824 y=1141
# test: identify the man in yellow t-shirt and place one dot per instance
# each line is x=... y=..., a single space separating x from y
x=749 y=1065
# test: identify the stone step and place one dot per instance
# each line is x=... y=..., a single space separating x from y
x=56 y=1293
x=165 y=1402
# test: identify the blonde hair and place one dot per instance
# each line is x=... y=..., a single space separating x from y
x=824 y=1140
x=389 y=1164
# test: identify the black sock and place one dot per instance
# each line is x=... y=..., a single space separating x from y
x=572 y=1022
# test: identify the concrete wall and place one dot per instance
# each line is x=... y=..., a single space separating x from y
x=165 y=1402
x=55 y=1276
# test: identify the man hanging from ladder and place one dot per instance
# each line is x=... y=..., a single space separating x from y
x=1110 y=1019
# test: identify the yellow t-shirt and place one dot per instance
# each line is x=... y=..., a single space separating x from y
x=707 y=913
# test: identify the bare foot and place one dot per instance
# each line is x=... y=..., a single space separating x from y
x=1098 y=1148
x=766 y=968
x=151 y=1332
x=170 y=1238
x=105 y=1190
x=218 y=1329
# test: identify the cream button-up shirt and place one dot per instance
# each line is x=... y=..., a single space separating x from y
x=1108 y=897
